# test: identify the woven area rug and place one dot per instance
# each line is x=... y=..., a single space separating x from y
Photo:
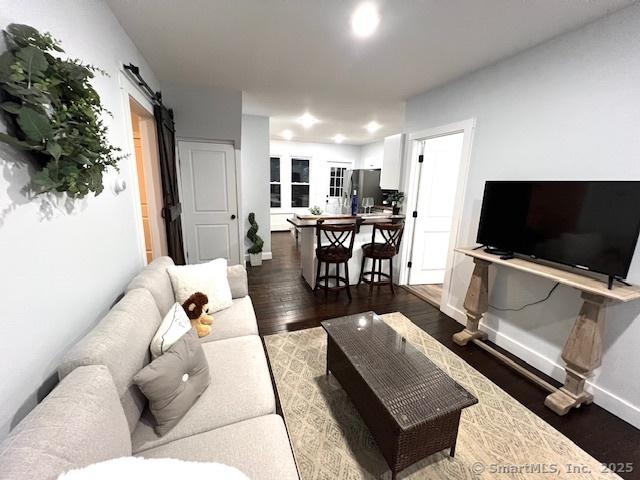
x=498 y=437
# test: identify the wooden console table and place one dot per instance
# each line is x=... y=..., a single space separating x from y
x=582 y=351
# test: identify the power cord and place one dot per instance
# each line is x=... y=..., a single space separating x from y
x=528 y=304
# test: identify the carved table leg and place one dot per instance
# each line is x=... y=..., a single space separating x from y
x=475 y=303
x=582 y=353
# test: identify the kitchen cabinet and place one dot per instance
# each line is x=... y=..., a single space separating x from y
x=392 y=162
x=371 y=157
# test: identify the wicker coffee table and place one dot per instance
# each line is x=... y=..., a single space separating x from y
x=411 y=407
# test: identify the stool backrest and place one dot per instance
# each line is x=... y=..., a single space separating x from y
x=391 y=234
x=339 y=236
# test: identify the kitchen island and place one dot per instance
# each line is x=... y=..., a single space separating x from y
x=306 y=224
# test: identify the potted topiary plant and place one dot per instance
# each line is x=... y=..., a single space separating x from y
x=255 y=251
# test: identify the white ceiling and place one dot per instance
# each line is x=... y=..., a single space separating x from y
x=292 y=56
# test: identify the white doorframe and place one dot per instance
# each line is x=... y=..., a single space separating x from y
x=129 y=89
x=243 y=255
x=410 y=185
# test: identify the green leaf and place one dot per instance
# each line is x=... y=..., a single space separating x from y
x=11 y=107
x=43 y=180
x=22 y=32
x=14 y=142
x=34 y=60
x=81 y=159
x=35 y=125
x=6 y=60
x=54 y=149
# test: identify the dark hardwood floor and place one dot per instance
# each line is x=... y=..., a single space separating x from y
x=284 y=302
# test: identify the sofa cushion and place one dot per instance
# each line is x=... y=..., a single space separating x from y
x=258 y=447
x=237 y=276
x=79 y=423
x=121 y=342
x=154 y=278
x=209 y=278
x=237 y=320
x=240 y=388
x=174 y=381
x=173 y=326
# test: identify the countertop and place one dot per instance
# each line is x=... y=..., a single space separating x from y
x=363 y=219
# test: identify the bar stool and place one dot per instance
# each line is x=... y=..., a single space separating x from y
x=391 y=233
x=339 y=250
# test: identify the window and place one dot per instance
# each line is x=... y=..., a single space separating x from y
x=276 y=195
x=299 y=182
x=299 y=170
x=336 y=181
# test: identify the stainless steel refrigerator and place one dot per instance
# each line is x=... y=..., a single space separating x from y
x=366 y=183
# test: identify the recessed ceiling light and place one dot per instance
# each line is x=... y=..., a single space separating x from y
x=307 y=120
x=365 y=19
x=373 y=126
x=287 y=134
x=339 y=138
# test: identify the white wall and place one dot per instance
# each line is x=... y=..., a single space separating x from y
x=255 y=177
x=320 y=155
x=567 y=109
x=371 y=155
x=205 y=113
x=62 y=270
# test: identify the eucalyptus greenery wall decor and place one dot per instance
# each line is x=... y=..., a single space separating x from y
x=54 y=112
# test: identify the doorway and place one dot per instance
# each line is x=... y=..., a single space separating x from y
x=335 y=186
x=438 y=179
x=145 y=145
x=209 y=201
x=435 y=182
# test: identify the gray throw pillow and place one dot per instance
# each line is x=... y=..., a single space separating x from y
x=174 y=381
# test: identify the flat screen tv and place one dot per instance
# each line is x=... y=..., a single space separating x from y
x=589 y=225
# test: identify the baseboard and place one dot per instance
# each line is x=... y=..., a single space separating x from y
x=265 y=256
x=602 y=397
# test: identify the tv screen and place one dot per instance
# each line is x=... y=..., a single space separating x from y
x=589 y=225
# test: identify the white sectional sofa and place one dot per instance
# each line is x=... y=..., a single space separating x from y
x=97 y=413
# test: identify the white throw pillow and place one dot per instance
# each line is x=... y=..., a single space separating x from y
x=136 y=468
x=209 y=278
x=174 y=325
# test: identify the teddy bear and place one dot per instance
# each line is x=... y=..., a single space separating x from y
x=196 y=308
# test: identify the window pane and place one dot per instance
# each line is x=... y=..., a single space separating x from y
x=275 y=169
x=336 y=181
x=299 y=195
x=275 y=196
x=299 y=170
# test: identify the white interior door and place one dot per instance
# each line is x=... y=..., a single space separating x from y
x=209 y=201
x=435 y=206
x=334 y=181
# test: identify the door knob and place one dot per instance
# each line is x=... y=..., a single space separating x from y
x=233 y=217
